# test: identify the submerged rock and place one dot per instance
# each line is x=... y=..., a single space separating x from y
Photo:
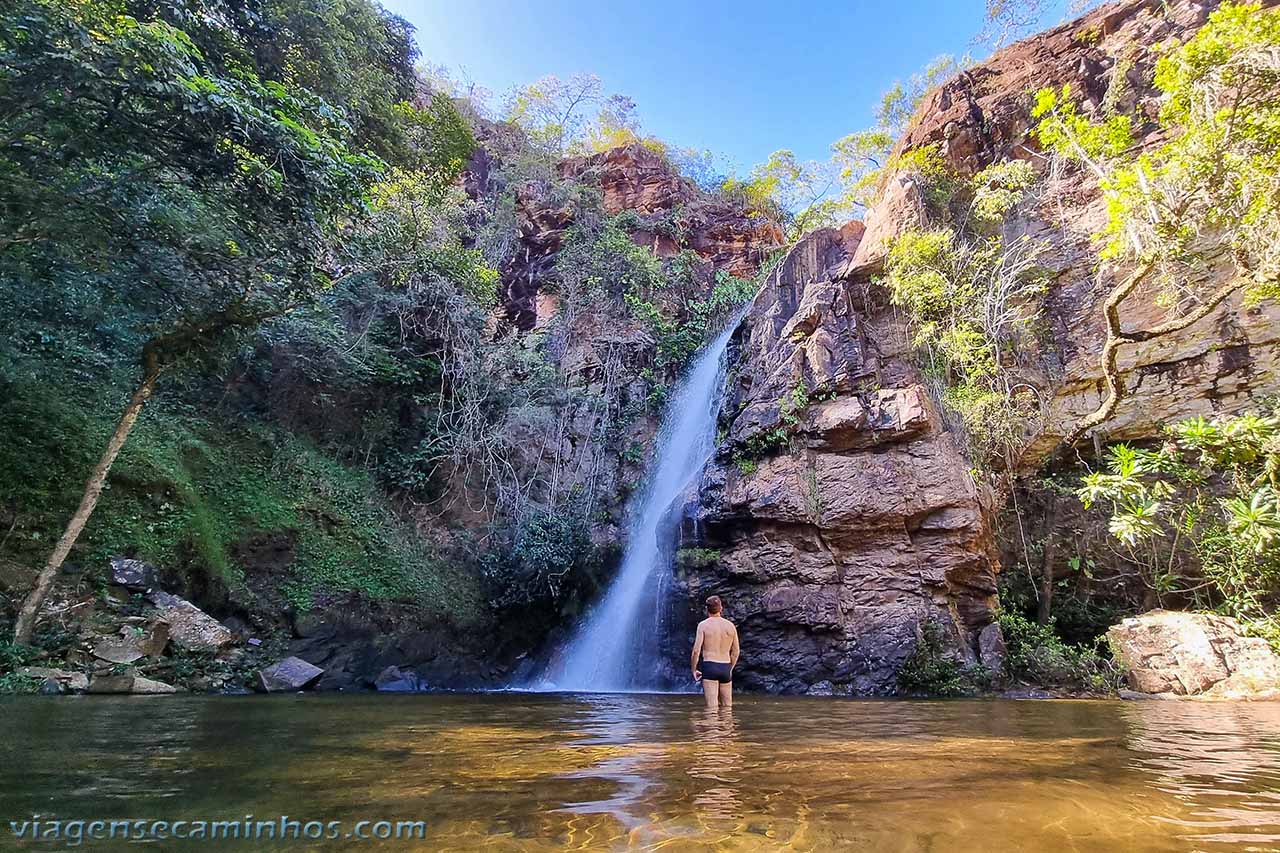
x=393 y=679
x=288 y=675
x=1194 y=654
x=190 y=627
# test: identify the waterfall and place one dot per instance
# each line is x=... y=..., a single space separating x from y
x=617 y=647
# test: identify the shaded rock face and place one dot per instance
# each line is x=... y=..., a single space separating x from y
x=983 y=116
x=835 y=546
x=1194 y=654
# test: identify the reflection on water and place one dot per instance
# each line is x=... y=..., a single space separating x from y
x=543 y=772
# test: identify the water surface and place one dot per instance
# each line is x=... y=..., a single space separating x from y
x=546 y=771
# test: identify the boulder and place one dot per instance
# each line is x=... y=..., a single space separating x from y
x=1193 y=654
x=991 y=649
x=129 y=683
x=288 y=675
x=190 y=628
x=131 y=645
x=393 y=679
x=133 y=575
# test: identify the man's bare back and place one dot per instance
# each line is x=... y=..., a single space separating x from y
x=715 y=654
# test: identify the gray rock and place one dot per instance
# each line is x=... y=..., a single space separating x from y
x=288 y=675
x=822 y=688
x=133 y=575
x=991 y=649
x=132 y=645
x=129 y=683
x=190 y=627
x=50 y=687
x=393 y=679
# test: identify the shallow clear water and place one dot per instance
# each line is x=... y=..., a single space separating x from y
x=545 y=771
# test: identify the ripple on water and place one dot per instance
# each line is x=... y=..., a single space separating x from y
x=541 y=771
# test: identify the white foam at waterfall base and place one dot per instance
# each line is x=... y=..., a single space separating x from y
x=617 y=647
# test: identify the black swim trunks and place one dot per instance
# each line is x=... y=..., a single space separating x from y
x=715 y=671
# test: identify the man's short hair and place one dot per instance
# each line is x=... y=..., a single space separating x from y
x=714 y=604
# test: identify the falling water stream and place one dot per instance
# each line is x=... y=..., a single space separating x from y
x=617 y=646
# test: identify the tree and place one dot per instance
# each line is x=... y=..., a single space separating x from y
x=1215 y=486
x=900 y=102
x=1208 y=197
x=1007 y=21
x=553 y=111
x=201 y=197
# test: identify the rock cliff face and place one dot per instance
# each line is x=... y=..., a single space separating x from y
x=846 y=519
x=832 y=551
x=671 y=214
x=982 y=116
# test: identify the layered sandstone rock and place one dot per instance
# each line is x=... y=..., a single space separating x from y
x=837 y=542
x=983 y=116
x=859 y=519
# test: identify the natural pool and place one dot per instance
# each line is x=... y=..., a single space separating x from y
x=599 y=772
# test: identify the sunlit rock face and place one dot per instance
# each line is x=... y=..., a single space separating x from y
x=983 y=116
x=836 y=544
x=834 y=547
x=1194 y=654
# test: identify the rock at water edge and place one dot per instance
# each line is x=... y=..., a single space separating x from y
x=1193 y=654
x=128 y=683
x=393 y=679
x=288 y=675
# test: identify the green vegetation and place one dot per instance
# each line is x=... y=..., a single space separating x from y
x=970 y=291
x=697 y=558
x=1035 y=654
x=1211 y=489
x=1216 y=177
x=188 y=491
x=791 y=409
x=933 y=670
x=168 y=168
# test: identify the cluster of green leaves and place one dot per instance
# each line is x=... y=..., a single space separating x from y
x=1214 y=486
x=1217 y=175
x=550 y=565
x=1035 y=654
x=12 y=658
x=680 y=300
x=806 y=195
x=932 y=669
x=970 y=292
x=165 y=167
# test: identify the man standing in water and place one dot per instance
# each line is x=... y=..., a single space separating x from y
x=715 y=654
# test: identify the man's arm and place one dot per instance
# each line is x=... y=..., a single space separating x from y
x=697 y=653
x=733 y=649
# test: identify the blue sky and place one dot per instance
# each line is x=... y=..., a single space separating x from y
x=740 y=78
